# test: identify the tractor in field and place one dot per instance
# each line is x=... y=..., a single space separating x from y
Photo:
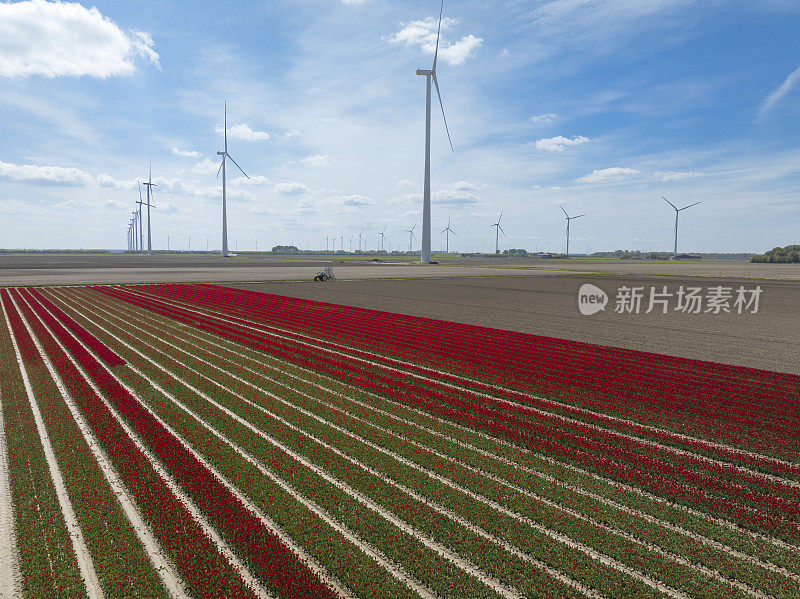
x=324 y=275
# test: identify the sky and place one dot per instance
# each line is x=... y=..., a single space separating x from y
x=602 y=106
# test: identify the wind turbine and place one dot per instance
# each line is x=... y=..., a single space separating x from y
x=135 y=220
x=225 y=155
x=410 y=235
x=383 y=237
x=449 y=230
x=139 y=216
x=341 y=244
x=497 y=230
x=359 y=239
x=569 y=218
x=149 y=186
x=677 y=211
x=425 y=255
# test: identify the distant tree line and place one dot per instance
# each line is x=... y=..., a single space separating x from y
x=787 y=255
x=285 y=249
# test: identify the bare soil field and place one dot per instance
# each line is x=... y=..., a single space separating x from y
x=769 y=339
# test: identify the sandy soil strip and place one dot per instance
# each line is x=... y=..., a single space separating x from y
x=161 y=562
x=10 y=575
x=186 y=329
x=84 y=558
x=314 y=343
x=248 y=577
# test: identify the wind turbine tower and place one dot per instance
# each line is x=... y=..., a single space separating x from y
x=677 y=211
x=383 y=237
x=497 y=230
x=425 y=255
x=149 y=186
x=226 y=156
x=569 y=218
x=447 y=230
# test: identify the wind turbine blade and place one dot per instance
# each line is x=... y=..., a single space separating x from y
x=564 y=211
x=444 y=118
x=237 y=166
x=225 y=127
x=438 y=32
x=501 y=217
x=668 y=202
x=139 y=185
x=501 y=229
x=580 y=215
x=690 y=205
x=453 y=232
x=219 y=170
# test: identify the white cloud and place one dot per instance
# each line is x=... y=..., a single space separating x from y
x=560 y=143
x=54 y=39
x=406 y=184
x=544 y=118
x=186 y=153
x=291 y=133
x=676 y=175
x=352 y=201
x=258 y=180
x=317 y=160
x=206 y=166
x=783 y=89
x=464 y=186
x=43 y=175
x=354 y=1
x=244 y=132
x=423 y=34
x=291 y=189
x=609 y=175
x=454 y=197
x=107 y=181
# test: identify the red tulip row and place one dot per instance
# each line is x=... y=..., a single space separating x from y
x=603 y=386
x=47 y=562
x=120 y=560
x=393 y=386
x=163 y=335
x=166 y=355
x=261 y=549
x=202 y=566
x=488 y=407
x=697 y=445
x=512 y=347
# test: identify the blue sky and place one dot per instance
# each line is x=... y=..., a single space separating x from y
x=602 y=106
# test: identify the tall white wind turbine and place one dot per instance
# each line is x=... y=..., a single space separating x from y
x=678 y=211
x=447 y=230
x=569 y=218
x=383 y=237
x=497 y=230
x=425 y=255
x=149 y=186
x=226 y=156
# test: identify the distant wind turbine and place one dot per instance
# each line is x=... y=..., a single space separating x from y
x=677 y=211
x=225 y=156
x=425 y=255
x=359 y=239
x=410 y=235
x=149 y=186
x=569 y=218
x=497 y=230
x=447 y=230
x=383 y=237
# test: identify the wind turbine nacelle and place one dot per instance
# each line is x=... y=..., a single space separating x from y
x=220 y=153
x=424 y=72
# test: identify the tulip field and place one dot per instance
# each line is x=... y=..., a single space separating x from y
x=202 y=441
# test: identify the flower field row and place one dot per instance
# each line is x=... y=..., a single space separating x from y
x=213 y=444
x=730 y=404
